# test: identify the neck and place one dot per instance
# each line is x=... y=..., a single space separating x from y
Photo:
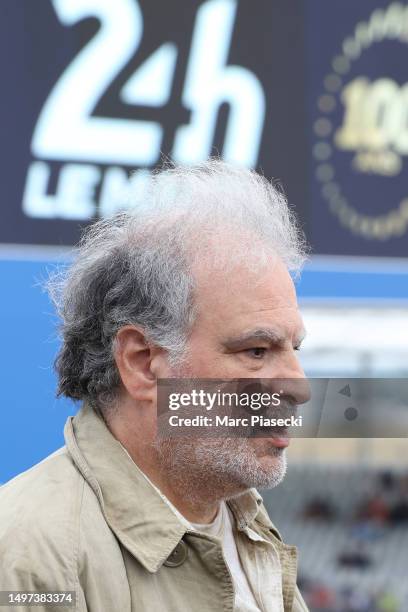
x=192 y=497
x=195 y=505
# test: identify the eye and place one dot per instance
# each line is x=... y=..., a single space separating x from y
x=257 y=352
x=297 y=348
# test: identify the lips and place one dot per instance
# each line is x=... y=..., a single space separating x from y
x=280 y=441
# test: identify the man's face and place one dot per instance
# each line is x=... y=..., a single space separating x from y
x=247 y=326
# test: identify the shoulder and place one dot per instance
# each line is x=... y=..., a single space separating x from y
x=54 y=535
x=50 y=488
x=39 y=514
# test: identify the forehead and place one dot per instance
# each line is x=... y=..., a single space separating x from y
x=231 y=302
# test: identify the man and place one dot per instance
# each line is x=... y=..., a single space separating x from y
x=193 y=281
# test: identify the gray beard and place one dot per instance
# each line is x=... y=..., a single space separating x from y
x=217 y=468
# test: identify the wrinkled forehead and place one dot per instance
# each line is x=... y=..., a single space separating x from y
x=249 y=293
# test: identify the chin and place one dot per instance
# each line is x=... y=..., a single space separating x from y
x=264 y=472
x=272 y=470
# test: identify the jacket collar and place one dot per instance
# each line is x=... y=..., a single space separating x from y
x=135 y=510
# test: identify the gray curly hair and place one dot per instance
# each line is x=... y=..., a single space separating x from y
x=136 y=266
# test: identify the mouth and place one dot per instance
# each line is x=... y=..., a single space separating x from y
x=278 y=435
x=280 y=441
x=272 y=447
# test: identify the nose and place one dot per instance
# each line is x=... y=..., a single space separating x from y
x=297 y=389
x=289 y=376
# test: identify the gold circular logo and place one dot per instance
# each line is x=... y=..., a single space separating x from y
x=374 y=128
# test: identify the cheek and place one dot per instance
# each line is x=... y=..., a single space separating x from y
x=203 y=358
x=207 y=363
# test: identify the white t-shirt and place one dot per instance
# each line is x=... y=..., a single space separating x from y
x=223 y=527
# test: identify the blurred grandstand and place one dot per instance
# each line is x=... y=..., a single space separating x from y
x=350 y=524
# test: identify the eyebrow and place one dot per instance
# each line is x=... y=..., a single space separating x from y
x=269 y=335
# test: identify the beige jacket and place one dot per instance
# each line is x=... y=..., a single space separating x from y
x=87 y=520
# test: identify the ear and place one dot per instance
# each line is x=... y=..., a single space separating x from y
x=133 y=356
